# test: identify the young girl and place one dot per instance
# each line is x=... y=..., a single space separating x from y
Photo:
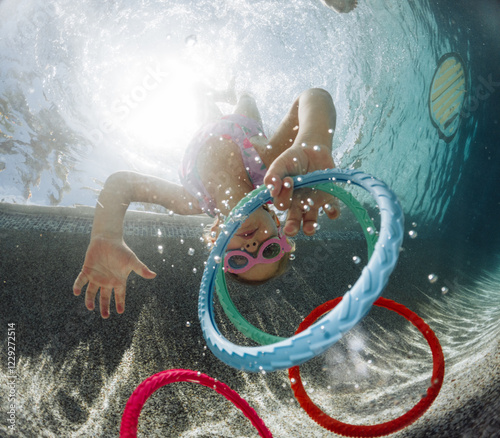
x=227 y=159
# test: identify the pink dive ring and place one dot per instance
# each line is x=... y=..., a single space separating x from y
x=130 y=418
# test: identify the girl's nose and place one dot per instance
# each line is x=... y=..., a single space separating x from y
x=251 y=246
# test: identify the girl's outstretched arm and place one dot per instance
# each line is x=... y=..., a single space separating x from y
x=309 y=127
x=109 y=261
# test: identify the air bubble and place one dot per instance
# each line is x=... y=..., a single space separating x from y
x=303 y=145
x=269 y=147
x=160 y=249
x=170 y=213
x=258 y=160
x=182 y=241
x=217 y=259
x=316 y=148
x=310 y=202
x=270 y=187
x=292 y=380
x=195 y=270
x=316 y=226
x=188 y=324
x=278 y=291
x=414 y=224
x=432 y=278
x=291 y=257
x=356 y=260
x=287 y=184
x=299 y=179
x=198 y=373
x=370 y=230
x=330 y=131
x=295 y=159
x=191 y=251
x=413 y=234
x=191 y=40
x=159 y=233
x=444 y=290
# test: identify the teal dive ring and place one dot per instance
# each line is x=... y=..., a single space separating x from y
x=329 y=329
x=225 y=300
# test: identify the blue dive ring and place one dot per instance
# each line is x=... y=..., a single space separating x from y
x=329 y=329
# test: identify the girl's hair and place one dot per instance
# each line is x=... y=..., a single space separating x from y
x=282 y=264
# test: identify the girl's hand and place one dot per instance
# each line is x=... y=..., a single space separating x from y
x=298 y=160
x=107 y=265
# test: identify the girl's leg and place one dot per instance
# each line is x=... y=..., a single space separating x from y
x=206 y=109
x=207 y=99
x=248 y=107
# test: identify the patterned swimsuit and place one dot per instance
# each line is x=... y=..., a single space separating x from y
x=237 y=128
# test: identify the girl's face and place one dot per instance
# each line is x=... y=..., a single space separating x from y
x=260 y=226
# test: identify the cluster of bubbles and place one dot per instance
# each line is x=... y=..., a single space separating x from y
x=412 y=233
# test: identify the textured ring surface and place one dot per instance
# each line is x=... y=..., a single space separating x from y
x=329 y=329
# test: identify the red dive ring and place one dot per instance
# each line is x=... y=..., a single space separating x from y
x=136 y=401
x=383 y=428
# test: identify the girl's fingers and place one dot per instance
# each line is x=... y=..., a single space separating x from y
x=332 y=208
x=141 y=269
x=281 y=191
x=294 y=218
x=90 y=294
x=80 y=281
x=284 y=199
x=120 y=299
x=104 y=300
x=310 y=221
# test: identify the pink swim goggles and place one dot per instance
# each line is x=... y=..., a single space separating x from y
x=238 y=261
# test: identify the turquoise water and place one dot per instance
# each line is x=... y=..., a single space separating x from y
x=92 y=88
